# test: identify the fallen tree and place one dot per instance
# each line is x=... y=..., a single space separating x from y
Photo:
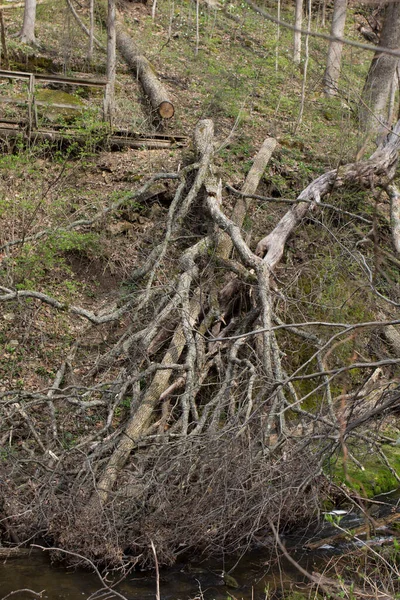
x=205 y=434
x=142 y=67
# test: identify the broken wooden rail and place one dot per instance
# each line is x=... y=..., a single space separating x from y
x=30 y=130
x=31 y=78
x=113 y=140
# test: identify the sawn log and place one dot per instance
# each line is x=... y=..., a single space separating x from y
x=142 y=68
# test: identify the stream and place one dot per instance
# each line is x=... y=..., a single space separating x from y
x=257 y=572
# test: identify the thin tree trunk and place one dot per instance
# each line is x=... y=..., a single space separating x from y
x=143 y=69
x=27 y=34
x=197 y=28
x=249 y=187
x=82 y=25
x=297 y=35
x=278 y=35
x=333 y=65
x=305 y=69
x=91 y=30
x=4 y=52
x=323 y=17
x=375 y=95
x=111 y=63
x=394 y=195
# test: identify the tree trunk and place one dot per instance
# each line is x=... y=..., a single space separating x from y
x=394 y=195
x=91 y=30
x=4 y=51
x=332 y=72
x=143 y=69
x=111 y=63
x=376 y=92
x=297 y=34
x=146 y=74
x=27 y=34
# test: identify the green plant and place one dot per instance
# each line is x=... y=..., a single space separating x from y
x=35 y=262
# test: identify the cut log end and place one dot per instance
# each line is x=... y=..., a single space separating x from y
x=166 y=110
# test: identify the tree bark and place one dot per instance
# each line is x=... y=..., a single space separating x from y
x=332 y=72
x=27 y=34
x=298 y=19
x=143 y=69
x=376 y=92
x=111 y=63
x=91 y=30
x=394 y=195
x=145 y=72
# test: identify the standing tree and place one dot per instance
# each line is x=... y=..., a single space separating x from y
x=111 y=62
x=27 y=34
x=297 y=34
x=91 y=29
x=332 y=72
x=378 y=84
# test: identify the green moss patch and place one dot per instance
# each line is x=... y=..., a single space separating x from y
x=376 y=478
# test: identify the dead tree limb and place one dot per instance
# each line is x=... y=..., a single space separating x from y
x=377 y=171
x=394 y=195
x=186 y=421
x=250 y=186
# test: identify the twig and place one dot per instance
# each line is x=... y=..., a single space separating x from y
x=91 y=563
x=36 y=594
x=158 y=597
x=301 y=570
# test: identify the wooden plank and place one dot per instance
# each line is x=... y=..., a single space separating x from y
x=56 y=105
x=108 y=141
x=14 y=5
x=101 y=83
x=17 y=101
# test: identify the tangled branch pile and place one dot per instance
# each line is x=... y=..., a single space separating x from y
x=204 y=430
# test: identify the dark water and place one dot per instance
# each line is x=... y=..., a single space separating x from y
x=181 y=582
x=257 y=573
